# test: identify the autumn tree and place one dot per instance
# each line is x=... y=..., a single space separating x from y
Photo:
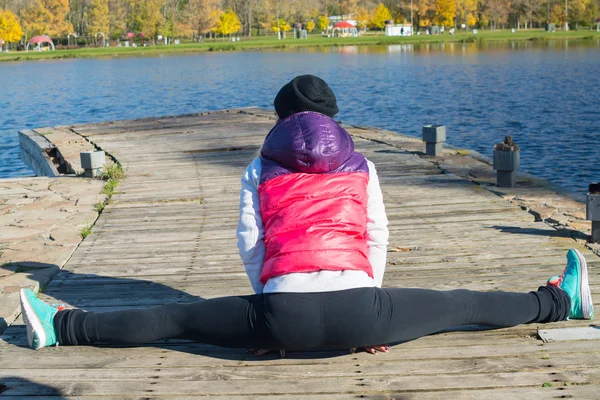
x=424 y=12
x=496 y=12
x=466 y=11
x=323 y=23
x=281 y=26
x=98 y=17
x=592 y=13
x=310 y=26
x=47 y=17
x=117 y=18
x=348 y=7
x=10 y=28
x=362 y=18
x=244 y=9
x=145 y=17
x=203 y=15
x=445 y=11
x=396 y=8
x=581 y=12
x=557 y=15
x=229 y=23
x=380 y=15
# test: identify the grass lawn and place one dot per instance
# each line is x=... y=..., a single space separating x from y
x=269 y=42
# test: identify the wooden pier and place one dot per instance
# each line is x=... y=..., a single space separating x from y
x=169 y=235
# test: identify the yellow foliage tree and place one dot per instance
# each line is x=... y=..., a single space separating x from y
x=10 y=28
x=577 y=13
x=425 y=12
x=445 y=11
x=466 y=11
x=557 y=15
x=47 y=17
x=380 y=15
x=204 y=15
x=145 y=17
x=310 y=26
x=313 y=13
x=281 y=27
x=323 y=23
x=228 y=23
x=361 y=17
x=98 y=17
x=348 y=7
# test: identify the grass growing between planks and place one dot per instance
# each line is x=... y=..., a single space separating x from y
x=113 y=173
x=86 y=231
x=314 y=40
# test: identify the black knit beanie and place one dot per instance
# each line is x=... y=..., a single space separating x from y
x=305 y=93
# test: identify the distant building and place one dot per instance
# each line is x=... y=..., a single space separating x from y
x=398 y=30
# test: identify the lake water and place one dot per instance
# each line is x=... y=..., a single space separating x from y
x=545 y=94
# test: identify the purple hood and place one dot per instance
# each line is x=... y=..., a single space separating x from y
x=312 y=143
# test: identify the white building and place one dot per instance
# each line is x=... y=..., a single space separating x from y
x=399 y=30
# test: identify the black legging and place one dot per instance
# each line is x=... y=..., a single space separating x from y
x=348 y=318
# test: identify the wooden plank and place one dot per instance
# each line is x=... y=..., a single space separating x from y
x=316 y=385
x=169 y=235
x=567 y=334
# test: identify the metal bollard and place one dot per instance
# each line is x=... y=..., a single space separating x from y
x=593 y=210
x=92 y=163
x=507 y=160
x=434 y=136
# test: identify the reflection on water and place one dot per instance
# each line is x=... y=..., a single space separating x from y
x=544 y=93
x=456 y=47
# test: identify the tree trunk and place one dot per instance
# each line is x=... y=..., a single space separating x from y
x=249 y=20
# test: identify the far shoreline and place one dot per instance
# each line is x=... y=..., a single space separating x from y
x=271 y=43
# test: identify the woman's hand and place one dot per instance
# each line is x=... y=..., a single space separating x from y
x=384 y=348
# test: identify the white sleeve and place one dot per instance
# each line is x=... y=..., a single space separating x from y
x=250 y=231
x=377 y=226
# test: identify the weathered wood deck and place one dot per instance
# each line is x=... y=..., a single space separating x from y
x=169 y=235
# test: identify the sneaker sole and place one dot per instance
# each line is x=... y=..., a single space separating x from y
x=586 y=296
x=32 y=321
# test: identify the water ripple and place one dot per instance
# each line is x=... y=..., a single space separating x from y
x=545 y=95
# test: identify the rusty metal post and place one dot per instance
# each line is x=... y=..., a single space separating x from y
x=593 y=210
x=507 y=159
x=434 y=136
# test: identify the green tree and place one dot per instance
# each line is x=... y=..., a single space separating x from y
x=98 y=17
x=10 y=28
x=380 y=15
x=167 y=28
x=117 y=18
x=229 y=23
x=592 y=13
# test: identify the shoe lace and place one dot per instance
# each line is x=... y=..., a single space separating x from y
x=562 y=276
x=60 y=306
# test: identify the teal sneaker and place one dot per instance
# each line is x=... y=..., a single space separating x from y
x=574 y=281
x=39 y=319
